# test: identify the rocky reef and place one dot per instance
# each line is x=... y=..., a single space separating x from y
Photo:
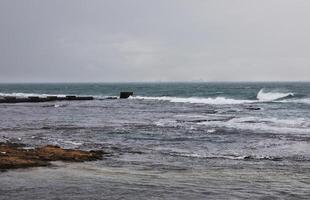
x=13 y=156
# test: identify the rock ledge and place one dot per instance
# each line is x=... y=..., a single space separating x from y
x=14 y=156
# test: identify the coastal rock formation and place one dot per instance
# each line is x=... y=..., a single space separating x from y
x=14 y=156
x=35 y=99
x=125 y=95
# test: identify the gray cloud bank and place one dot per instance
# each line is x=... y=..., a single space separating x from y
x=155 y=40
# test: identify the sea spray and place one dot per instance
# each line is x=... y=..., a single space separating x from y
x=272 y=96
x=197 y=100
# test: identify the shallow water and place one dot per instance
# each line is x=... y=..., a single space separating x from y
x=170 y=141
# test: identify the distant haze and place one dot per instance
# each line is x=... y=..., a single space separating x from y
x=154 y=40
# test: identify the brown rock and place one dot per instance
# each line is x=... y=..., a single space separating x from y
x=15 y=156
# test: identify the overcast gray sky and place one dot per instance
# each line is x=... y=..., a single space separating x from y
x=154 y=40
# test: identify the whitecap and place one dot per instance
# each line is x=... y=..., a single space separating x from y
x=197 y=100
x=211 y=131
x=25 y=95
x=302 y=101
x=272 y=96
x=257 y=124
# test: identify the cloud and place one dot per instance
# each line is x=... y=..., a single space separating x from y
x=155 y=40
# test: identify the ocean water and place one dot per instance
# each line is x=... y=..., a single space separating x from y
x=169 y=141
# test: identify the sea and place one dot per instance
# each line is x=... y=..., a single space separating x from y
x=204 y=140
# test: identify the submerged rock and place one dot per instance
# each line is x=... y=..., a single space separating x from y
x=16 y=156
x=253 y=108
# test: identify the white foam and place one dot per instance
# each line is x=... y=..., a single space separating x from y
x=297 y=125
x=272 y=96
x=210 y=156
x=105 y=97
x=197 y=100
x=25 y=95
x=293 y=123
x=166 y=122
x=64 y=142
x=303 y=101
x=211 y=130
x=72 y=142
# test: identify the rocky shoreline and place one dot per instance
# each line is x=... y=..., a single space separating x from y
x=13 y=155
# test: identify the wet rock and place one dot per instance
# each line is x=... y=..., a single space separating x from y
x=84 y=98
x=111 y=98
x=16 y=156
x=9 y=99
x=52 y=98
x=71 y=97
x=35 y=99
x=253 y=108
x=32 y=99
x=125 y=95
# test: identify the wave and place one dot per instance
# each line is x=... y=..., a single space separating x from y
x=302 y=101
x=229 y=157
x=262 y=96
x=197 y=100
x=25 y=95
x=272 y=96
x=248 y=157
x=257 y=124
x=105 y=97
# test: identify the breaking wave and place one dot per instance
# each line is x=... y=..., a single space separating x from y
x=262 y=96
x=302 y=101
x=272 y=96
x=197 y=100
x=229 y=157
x=257 y=124
x=25 y=95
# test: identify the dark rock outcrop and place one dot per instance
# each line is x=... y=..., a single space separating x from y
x=14 y=156
x=125 y=95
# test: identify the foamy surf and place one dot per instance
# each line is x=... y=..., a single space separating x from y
x=197 y=100
x=301 y=101
x=272 y=96
x=262 y=96
x=229 y=157
x=257 y=124
x=25 y=95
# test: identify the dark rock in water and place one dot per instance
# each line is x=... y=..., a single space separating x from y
x=10 y=99
x=277 y=159
x=84 y=98
x=111 y=98
x=61 y=98
x=71 y=97
x=31 y=99
x=253 y=108
x=52 y=98
x=79 y=98
x=125 y=95
x=35 y=99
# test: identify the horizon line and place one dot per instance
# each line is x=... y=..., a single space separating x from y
x=131 y=82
